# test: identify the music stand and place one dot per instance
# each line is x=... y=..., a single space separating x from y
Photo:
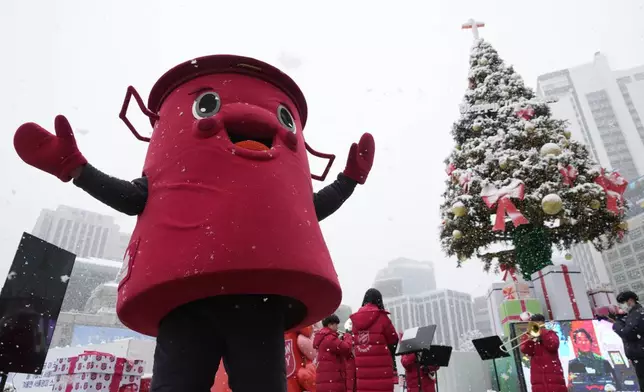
x=437 y=356
x=414 y=341
x=490 y=348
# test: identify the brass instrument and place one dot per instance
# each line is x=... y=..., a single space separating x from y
x=534 y=331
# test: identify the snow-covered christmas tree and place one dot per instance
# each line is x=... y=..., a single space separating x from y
x=517 y=184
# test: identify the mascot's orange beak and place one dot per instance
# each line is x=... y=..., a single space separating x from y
x=252 y=145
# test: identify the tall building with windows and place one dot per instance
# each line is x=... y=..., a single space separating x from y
x=482 y=317
x=404 y=276
x=604 y=108
x=85 y=233
x=451 y=311
x=625 y=262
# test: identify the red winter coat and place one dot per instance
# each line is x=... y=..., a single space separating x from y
x=373 y=332
x=411 y=375
x=332 y=352
x=546 y=374
x=350 y=365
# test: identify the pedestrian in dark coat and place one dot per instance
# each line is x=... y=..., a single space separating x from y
x=631 y=329
x=332 y=353
x=375 y=342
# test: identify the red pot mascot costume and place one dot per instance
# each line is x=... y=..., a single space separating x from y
x=227 y=219
x=546 y=373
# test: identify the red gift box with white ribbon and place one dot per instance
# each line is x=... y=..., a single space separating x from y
x=562 y=292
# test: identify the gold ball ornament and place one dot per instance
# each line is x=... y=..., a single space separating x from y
x=462 y=258
x=550 y=149
x=476 y=127
x=483 y=61
x=623 y=225
x=457 y=234
x=459 y=209
x=567 y=134
x=551 y=204
x=458 y=147
x=503 y=165
x=595 y=204
x=568 y=256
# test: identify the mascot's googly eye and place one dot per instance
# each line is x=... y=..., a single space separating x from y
x=206 y=105
x=286 y=118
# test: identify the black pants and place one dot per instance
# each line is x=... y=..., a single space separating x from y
x=246 y=331
x=638 y=364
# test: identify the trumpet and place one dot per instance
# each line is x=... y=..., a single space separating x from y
x=534 y=331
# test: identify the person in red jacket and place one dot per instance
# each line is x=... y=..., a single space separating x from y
x=351 y=361
x=427 y=374
x=375 y=342
x=546 y=373
x=332 y=352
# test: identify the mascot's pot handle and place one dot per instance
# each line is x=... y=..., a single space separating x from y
x=131 y=91
x=329 y=157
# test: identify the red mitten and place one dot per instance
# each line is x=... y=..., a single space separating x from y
x=54 y=154
x=360 y=159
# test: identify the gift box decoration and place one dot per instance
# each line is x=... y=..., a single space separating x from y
x=516 y=290
x=606 y=310
x=602 y=296
x=510 y=311
x=494 y=300
x=562 y=292
x=95 y=371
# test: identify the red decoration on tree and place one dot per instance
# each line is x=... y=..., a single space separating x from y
x=526 y=113
x=614 y=185
x=465 y=180
x=450 y=169
x=501 y=197
x=569 y=174
x=508 y=269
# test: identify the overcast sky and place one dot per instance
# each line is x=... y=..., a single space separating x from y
x=395 y=69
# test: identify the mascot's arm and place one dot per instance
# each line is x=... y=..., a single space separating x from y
x=331 y=197
x=124 y=196
x=356 y=171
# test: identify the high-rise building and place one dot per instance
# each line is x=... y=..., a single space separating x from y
x=85 y=233
x=604 y=109
x=625 y=261
x=404 y=276
x=482 y=318
x=451 y=311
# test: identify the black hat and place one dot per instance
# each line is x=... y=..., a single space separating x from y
x=626 y=295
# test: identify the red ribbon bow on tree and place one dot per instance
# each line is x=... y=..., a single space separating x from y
x=569 y=174
x=614 y=185
x=526 y=113
x=492 y=195
x=508 y=269
x=450 y=169
x=464 y=181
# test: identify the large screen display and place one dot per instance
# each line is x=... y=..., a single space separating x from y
x=591 y=355
x=30 y=303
